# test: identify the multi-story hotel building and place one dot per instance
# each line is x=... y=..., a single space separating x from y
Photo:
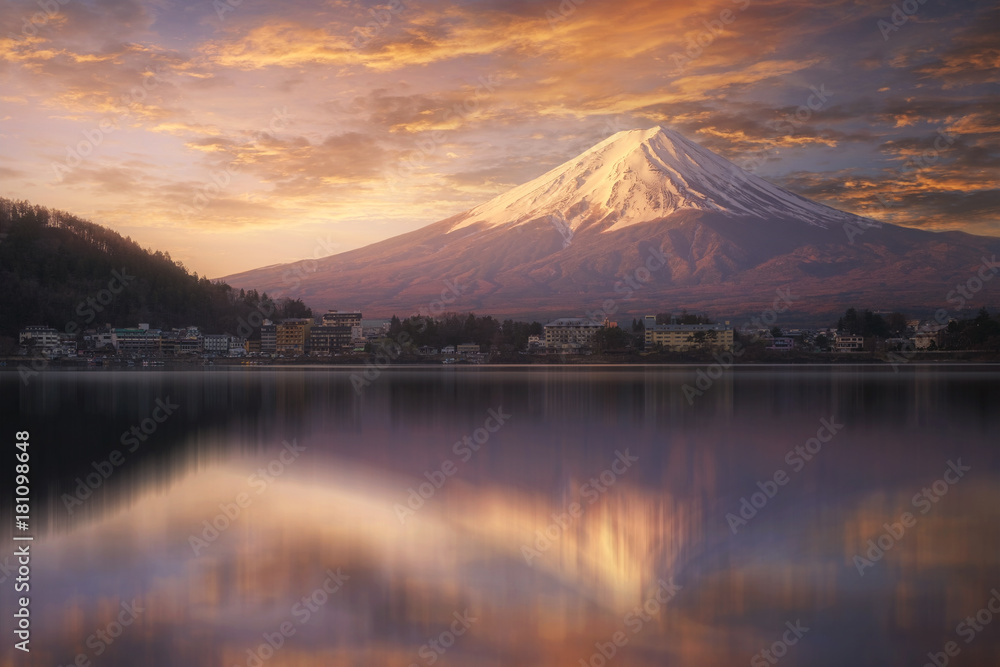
x=335 y=318
x=849 y=343
x=39 y=337
x=337 y=331
x=326 y=339
x=141 y=340
x=268 y=338
x=571 y=333
x=292 y=336
x=683 y=337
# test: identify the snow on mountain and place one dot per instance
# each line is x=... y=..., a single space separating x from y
x=562 y=244
x=637 y=176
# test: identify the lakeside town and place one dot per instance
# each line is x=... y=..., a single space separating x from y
x=345 y=336
x=100 y=312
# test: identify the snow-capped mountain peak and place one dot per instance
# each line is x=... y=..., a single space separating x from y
x=544 y=249
x=638 y=176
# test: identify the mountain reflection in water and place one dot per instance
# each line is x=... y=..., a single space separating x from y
x=575 y=531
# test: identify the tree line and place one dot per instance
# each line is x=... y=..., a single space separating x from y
x=981 y=332
x=60 y=270
x=458 y=328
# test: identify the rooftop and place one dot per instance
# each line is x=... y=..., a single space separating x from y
x=574 y=322
x=689 y=327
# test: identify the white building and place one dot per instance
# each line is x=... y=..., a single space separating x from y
x=216 y=343
x=782 y=344
x=849 y=343
x=141 y=340
x=67 y=345
x=571 y=333
x=47 y=342
x=40 y=338
x=99 y=340
x=237 y=346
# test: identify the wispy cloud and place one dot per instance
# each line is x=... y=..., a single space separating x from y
x=554 y=79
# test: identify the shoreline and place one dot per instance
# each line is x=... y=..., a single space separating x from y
x=14 y=366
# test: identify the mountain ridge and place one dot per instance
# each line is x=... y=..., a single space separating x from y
x=559 y=243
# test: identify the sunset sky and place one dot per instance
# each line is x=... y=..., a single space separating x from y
x=246 y=134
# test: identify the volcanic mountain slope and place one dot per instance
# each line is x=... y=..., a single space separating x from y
x=575 y=237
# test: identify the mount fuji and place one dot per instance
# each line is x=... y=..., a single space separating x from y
x=566 y=243
x=644 y=175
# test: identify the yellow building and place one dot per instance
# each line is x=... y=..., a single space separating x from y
x=683 y=337
x=291 y=336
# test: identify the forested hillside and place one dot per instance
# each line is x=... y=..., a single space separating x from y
x=59 y=270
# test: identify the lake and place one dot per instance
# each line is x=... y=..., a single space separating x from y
x=510 y=516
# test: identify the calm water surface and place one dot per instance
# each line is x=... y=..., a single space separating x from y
x=492 y=516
